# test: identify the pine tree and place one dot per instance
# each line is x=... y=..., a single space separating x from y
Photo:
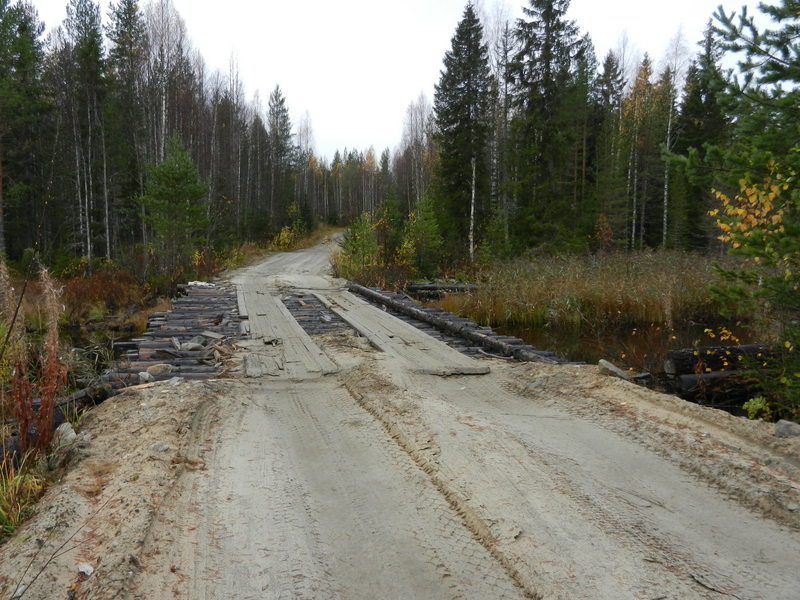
x=461 y=103
x=766 y=99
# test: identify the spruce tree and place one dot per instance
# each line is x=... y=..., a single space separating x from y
x=544 y=129
x=176 y=212
x=701 y=125
x=610 y=158
x=281 y=153
x=22 y=107
x=461 y=103
x=124 y=115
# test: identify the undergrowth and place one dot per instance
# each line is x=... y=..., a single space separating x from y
x=28 y=370
x=93 y=295
x=385 y=250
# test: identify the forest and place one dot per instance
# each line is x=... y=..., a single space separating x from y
x=531 y=140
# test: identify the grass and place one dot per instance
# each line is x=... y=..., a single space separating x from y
x=570 y=291
x=20 y=488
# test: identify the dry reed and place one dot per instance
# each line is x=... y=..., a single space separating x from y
x=645 y=287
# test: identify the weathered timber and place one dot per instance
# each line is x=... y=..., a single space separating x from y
x=178 y=370
x=313 y=316
x=439 y=289
x=729 y=388
x=205 y=313
x=129 y=379
x=174 y=362
x=167 y=355
x=689 y=361
x=456 y=326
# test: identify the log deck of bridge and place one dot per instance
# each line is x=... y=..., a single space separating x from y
x=210 y=313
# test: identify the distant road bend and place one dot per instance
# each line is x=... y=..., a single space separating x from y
x=404 y=469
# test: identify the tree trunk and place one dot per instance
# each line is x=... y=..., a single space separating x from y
x=79 y=198
x=472 y=213
x=105 y=193
x=666 y=180
x=89 y=183
x=635 y=204
x=2 y=209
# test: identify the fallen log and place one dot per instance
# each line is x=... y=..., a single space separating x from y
x=177 y=371
x=721 y=387
x=440 y=288
x=715 y=358
x=130 y=379
x=461 y=329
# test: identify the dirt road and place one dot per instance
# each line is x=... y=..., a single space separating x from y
x=389 y=466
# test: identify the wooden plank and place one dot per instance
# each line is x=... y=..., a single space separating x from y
x=213 y=335
x=422 y=353
x=270 y=320
x=259 y=364
x=240 y=301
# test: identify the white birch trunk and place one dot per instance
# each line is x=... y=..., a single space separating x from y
x=666 y=179
x=106 y=211
x=472 y=214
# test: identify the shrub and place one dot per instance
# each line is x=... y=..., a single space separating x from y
x=422 y=242
x=761 y=224
x=359 y=253
x=92 y=295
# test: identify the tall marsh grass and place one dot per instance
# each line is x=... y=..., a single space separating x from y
x=620 y=288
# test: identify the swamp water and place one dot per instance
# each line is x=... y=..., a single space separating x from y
x=641 y=349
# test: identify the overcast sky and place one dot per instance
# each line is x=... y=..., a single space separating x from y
x=355 y=65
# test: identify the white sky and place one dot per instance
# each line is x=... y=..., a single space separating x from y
x=355 y=65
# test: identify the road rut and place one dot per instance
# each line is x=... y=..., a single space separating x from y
x=305 y=496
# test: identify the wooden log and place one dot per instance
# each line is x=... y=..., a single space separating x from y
x=178 y=371
x=687 y=361
x=130 y=379
x=730 y=387
x=166 y=354
x=185 y=334
x=439 y=288
x=175 y=362
x=472 y=334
